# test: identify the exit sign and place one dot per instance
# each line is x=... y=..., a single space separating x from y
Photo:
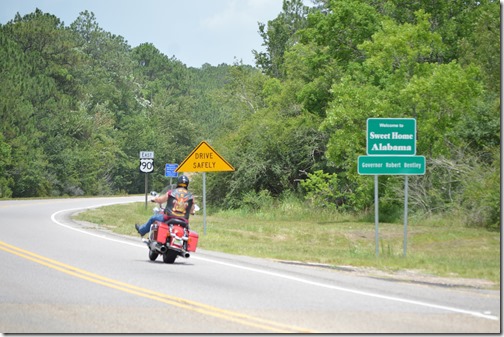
x=391 y=136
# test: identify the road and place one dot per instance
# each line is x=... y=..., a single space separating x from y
x=60 y=277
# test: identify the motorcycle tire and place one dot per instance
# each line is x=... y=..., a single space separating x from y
x=169 y=256
x=153 y=255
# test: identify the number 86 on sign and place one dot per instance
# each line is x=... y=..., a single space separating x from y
x=146 y=165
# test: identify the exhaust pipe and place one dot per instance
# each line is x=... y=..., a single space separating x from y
x=186 y=255
x=156 y=246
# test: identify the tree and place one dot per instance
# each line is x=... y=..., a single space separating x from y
x=5 y=161
x=279 y=35
x=401 y=77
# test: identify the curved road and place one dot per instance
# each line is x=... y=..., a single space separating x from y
x=60 y=277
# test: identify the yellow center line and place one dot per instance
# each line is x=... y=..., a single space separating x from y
x=160 y=297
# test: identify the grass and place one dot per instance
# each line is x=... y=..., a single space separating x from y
x=436 y=246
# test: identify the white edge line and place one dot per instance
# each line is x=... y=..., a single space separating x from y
x=348 y=290
x=53 y=218
x=364 y=293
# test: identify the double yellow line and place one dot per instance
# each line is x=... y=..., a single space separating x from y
x=160 y=297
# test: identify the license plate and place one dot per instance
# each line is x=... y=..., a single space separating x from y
x=177 y=242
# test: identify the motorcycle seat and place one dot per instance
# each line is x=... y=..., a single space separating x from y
x=175 y=221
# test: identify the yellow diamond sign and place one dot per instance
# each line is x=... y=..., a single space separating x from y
x=204 y=159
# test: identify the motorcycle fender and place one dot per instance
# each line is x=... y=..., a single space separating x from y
x=178 y=230
x=175 y=235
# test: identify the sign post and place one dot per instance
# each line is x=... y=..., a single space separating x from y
x=146 y=166
x=391 y=150
x=204 y=159
x=405 y=235
x=376 y=219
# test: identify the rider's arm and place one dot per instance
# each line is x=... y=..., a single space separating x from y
x=193 y=206
x=161 y=199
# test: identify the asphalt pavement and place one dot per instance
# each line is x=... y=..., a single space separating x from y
x=59 y=276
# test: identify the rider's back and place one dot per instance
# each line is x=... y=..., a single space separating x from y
x=179 y=203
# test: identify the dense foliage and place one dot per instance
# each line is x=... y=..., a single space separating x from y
x=78 y=104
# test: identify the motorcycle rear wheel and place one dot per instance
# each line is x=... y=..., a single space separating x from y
x=169 y=256
x=153 y=255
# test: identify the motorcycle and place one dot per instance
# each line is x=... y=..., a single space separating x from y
x=170 y=239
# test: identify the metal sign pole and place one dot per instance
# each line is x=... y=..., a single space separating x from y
x=376 y=213
x=173 y=161
x=405 y=242
x=146 y=185
x=204 y=202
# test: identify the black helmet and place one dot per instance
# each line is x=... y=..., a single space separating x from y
x=183 y=181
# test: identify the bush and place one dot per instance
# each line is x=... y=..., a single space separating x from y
x=322 y=189
x=253 y=201
x=480 y=200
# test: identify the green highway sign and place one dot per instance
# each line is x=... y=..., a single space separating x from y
x=391 y=136
x=391 y=150
x=391 y=165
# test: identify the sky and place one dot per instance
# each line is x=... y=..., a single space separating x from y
x=195 y=32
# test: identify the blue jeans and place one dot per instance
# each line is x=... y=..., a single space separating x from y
x=145 y=228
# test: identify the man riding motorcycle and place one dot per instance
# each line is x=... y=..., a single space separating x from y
x=179 y=205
